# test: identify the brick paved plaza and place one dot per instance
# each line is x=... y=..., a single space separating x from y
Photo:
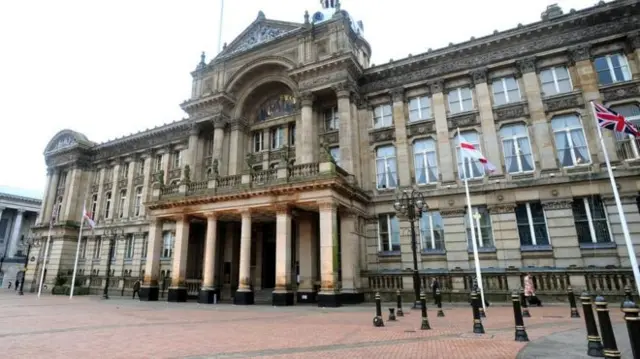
x=88 y=327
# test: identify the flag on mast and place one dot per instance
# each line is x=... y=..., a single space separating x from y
x=471 y=151
x=611 y=120
x=87 y=216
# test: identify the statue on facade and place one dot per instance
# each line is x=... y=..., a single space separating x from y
x=325 y=153
x=160 y=178
x=214 y=169
x=187 y=174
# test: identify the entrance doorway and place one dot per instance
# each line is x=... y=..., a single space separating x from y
x=268 y=255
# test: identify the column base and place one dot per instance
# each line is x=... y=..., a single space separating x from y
x=351 y=297
x=177 y=295
x=328 y=300
x=148 y=293
x=306 y=296
x=282 y=298
x=206 y=296
x=243 y=298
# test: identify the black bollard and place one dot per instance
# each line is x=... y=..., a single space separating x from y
x=399 y=304
x=606 y=329
x=478 y=328
x=439 y=302
x=632 y=317
x=628 y=296
x=377 y=320
x=594 y=346
x=425 y=320
x=392 y=315
x=525 y=305
x=572 y=303
x=521 y=332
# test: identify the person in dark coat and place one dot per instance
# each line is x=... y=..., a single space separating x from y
x=136 y=289
x=435 y=285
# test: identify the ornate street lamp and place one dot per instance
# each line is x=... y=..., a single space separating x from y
x=114 y=234
x=30 y=242
x=411 y=205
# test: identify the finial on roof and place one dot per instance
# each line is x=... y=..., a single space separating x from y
x=261 y=15
x=337 y=5
x=202 y=57
x=224 y=46
x=306 y=17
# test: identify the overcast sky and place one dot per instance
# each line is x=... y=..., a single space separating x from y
x=110 y=68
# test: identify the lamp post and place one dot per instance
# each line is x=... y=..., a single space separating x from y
x=31 y=242
x=113 y=234
x=412 y=204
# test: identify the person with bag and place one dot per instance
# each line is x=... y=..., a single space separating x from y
x=529 y=291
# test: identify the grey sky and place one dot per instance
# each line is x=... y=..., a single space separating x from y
x=110 y=68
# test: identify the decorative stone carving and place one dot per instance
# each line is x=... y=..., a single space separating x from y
x=502 y=208
x=187 y=174
x=479 y=76
x=220 y=121
x=436 y=86
x=383 y=134
x=634 y=40
x=214 y=168
x=397 y=94
x=580 y=53
x=64 y=142
x=343 y=89
x=260 y=34
x=452 y=212
x=563 y=102
x=557 y=204
x=160 y=177
x=420 y=128
x=138 y=180
x=306 y=99
x=331 y=137
x=621 y=91
x=239 y=124
x=511 y=111
x=463 y=120
x=320 y=81
x=194 y=130
x=526 y=65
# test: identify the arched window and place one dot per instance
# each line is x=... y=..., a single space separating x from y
x=571 y=143
x=627 y=146
x=516 y=148
x=277 y=106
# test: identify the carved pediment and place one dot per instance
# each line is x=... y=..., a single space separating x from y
x=66 y=139
x=259 y=32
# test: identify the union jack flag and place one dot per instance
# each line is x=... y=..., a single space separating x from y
x=611 y=120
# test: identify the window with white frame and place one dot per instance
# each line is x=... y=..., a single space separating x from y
x=107 y=205
x=469 y=168
x=276 y=134
x=627 y=146
x=431 y=231
x=420 y=108
x=481 y=220
x=124 y=170
x=425 y=161
x=257 y=139
x=145 y=246
x=555 y=80
x=388 y=233
x=516 y=148
x=158 y=163
x=571 y=144
x=123 y=200
x=505 y=90
x=97 y=249
x=460 y=100
x=612 y=68
x=386 y=167
x=137 y=205
x=335 y=154
x=83 y=248
x=382 y=116
x=176 y=159
x=532 y=225
x=167 y=244
x=331 y=119
x=292 y=134
x=590 y=218
x=94 y=206
x=128 y=247
x=140 y=168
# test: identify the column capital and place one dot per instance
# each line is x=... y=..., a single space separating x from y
x=557 y=204
x=212 y=215
x=20 y=210
x=220 y=121
x=397 y=94
x=526 y=65
x=347 y=212
x=194 y=129
x=245 y=212
x=633 y=38
x=343 y=89
x=580 y=53
x=239 y=123
x=282 y=208
x=326 y=205
x=306 y=99
x=479 y=76
x=436 y=86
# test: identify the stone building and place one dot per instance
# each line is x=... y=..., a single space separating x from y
x=18 y=212
x=280 y=184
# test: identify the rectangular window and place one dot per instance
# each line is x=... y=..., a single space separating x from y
x=386 y=167
x=128 y=247
x=83 y=247
x=167 y=244
x=137 y=208
x=532 y=225
x=468 y=167
x=124 y=170
x=388 y=233
x=292 y=134
x=331 y=119
x=460 y=100
x=612 y=68
x=94 y=206
x=208 y=146
x=425 y=161
x=277 y=137
x=145 y=246
x=555 y=80
x=335 y=154
x=258 y=141
x=62 y=180
x=382 y=116
x=481 y=220
x=517 y=149
x=505 y=90
x=420 y=109
x=123 y=200
x=627 y=146
x=590 y=217
x=431 y=231
x=177 y=159
x=140 y=167
x=107 y=205
x=97 y=249
x=158 y=163
x=571 y=144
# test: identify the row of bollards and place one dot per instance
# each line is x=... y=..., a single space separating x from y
x=398 y=312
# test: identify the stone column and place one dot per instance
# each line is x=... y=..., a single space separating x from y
x=71 y=194
x=178 y=290
x=131 y=196
x=630 y=208
x=191 y=154
x=283 y=294
x=45 y=199
x=350 y=256
x=540 y=128
x=491 y=145
x=244 y=294
x=149 y=289
x=146 y=185
x=402 y=145
x=304 y=149
x=307 y=257
x=506 y=237
x=209 y=289
x=51 y=195
x=15 y=233
x=218 y=137
x=562 y=233
x=348 y=131
x=455 y=237
x=442 y=129
x=236 y=151
x=328 y=296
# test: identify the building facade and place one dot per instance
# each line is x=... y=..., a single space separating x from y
x=281 y=181
x=17 y=214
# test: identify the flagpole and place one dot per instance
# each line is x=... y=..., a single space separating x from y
x=476 y=258
x=54 y=215
x=75 y=264
x=623 y=219
x=220 y=26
